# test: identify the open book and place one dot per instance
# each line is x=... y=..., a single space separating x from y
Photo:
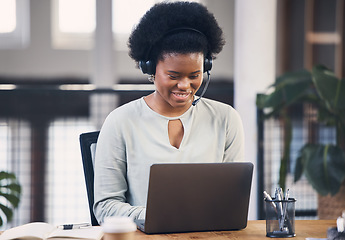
x=42 y=231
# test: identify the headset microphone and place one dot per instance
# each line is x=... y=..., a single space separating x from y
x=205 y=88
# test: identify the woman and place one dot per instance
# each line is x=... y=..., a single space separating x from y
x=174 y=43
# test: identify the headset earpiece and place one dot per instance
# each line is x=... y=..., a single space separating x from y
x=147 y=67
x=207 y=64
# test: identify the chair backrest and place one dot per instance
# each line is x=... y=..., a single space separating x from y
x=88 y=143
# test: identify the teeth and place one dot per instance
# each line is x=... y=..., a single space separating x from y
x=182 y=94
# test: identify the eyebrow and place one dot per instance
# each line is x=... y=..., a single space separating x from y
x=198 y=71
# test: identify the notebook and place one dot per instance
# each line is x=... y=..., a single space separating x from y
x=185 y=197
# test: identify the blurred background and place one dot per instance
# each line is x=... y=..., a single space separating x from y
x=64 y=66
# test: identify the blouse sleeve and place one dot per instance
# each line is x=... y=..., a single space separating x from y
x=234 y=149
x=110 y=184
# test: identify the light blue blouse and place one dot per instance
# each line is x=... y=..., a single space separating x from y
x=133 y=137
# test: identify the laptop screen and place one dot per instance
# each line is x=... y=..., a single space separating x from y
x=198 y=197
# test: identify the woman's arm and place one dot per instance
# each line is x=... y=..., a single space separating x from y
x=110 y=183
x=234 y=149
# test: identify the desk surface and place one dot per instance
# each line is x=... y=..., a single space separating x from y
x=254 y=230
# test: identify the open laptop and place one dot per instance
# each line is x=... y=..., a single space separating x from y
x=185 y=197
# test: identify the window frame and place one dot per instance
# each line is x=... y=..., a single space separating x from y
x=20 y=37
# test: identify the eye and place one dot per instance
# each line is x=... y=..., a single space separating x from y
x=173 y=77
x=194 y=76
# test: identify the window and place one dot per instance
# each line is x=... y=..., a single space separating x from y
x=7 y=16
x=74 y=25
x=66 y=198
x=14 y=23
x=82 y=22
x=121 y=10
x=122 y=28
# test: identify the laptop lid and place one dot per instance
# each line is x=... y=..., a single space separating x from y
x=198 y=197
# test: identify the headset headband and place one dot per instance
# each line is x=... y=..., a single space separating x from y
x=148 y=67
x=170 y=32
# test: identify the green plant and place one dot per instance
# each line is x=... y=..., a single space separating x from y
x=322 y=164
x=10 y=191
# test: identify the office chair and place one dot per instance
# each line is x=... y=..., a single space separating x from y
x=88 y=143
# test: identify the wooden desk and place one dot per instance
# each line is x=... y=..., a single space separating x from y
x=254 y=230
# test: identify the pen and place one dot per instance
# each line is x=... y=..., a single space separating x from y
x=279 y=198
x=280 y=208
x=270 y=199
x=285 y=204
x=286 y=198
x=74 y=226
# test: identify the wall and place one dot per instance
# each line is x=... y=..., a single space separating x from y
x=41 y=60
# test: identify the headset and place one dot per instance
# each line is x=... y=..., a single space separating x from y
x=149 y=67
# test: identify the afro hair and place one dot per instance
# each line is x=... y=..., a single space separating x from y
x=155 y=34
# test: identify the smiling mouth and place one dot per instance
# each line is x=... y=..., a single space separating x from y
x=182 y=95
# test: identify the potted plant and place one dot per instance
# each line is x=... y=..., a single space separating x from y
x=322 y=164
x=10 y=191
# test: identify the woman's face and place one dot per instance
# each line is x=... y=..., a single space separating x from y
x=178 y=77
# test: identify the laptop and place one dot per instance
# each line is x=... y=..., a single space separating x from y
x=190 y=197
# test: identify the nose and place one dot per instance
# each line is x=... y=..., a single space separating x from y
x=184 y=83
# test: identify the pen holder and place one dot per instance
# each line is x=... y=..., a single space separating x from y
x=280 y=218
